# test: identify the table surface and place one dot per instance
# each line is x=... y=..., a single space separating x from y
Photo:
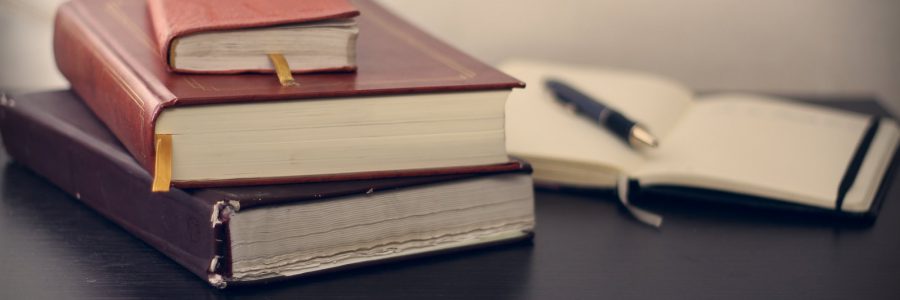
x=586 y=246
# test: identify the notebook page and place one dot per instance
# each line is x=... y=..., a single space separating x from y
x=538 y=127
x=759 y=146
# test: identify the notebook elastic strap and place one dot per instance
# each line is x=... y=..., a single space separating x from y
x=858 y=158
x=642 y=215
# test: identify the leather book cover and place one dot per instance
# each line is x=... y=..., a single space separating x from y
x=176 y=18
x=107 y=51
x=57 y=137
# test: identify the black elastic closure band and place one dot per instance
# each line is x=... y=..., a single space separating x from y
x=858 y=157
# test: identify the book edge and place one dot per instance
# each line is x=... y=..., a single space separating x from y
x=84 y=149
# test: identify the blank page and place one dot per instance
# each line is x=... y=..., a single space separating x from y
x=759 y=146
x=538 y=127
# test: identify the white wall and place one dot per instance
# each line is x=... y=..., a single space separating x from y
x=788 y=46
x=791 y=46
x=26 y=54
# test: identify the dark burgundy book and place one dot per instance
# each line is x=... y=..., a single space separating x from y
x=248 y=234
x=414 y=104
x=236 y=36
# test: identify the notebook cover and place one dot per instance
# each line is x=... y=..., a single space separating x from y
x=107 y=51
x=57 y=137
x=172 y=19
x=655 y=194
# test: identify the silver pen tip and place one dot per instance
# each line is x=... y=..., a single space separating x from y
x=641 y=136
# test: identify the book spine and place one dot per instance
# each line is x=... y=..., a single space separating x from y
x=115 y=93
x=162 y=28
x=180 y=226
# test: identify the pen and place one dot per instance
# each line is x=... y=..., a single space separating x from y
x=629 y=131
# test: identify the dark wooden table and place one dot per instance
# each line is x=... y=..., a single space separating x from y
x=51 y=246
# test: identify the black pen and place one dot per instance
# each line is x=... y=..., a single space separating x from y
x=631 y=132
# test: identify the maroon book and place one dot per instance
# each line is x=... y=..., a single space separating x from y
x=173 y=19
x=107 y=50
x=57 y=137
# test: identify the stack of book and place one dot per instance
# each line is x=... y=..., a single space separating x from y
x=374 y=142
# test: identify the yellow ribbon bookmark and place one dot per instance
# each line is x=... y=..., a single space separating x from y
x=162 y=177
x=282 y=69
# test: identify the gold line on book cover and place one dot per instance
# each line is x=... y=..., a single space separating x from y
x=132 y=95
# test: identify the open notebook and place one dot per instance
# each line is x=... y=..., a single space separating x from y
x=739 y=144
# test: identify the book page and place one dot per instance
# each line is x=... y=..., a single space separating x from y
x=759 y=146
x=538 y=128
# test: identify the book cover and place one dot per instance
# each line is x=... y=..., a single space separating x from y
x=108 y=51
x=173 y=19
x=57 y=137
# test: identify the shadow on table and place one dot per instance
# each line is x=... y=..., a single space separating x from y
x=54 y=246
x=678 y=208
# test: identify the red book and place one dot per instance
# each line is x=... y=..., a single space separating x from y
x=232 y=36
x=414 y=105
